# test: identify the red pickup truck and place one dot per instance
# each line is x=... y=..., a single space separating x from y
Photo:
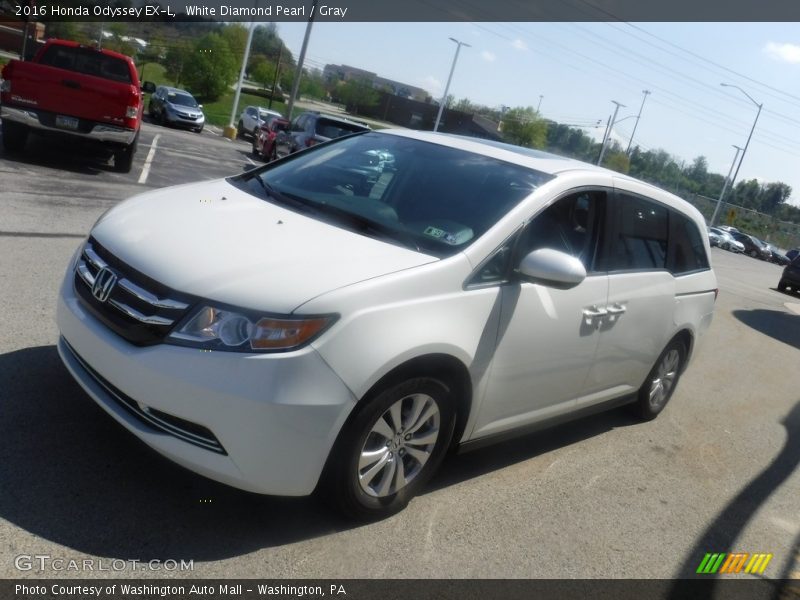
x=73 y=90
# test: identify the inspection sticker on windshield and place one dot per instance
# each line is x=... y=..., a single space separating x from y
x=440 y=234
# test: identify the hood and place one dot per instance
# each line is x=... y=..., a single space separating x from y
x=213 y=240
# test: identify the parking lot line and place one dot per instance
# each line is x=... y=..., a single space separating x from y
x=149 y=160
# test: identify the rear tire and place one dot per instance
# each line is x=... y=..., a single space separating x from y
x=14 y=136
x=389 y=449
x=123 y=159
x=660 y=383
x=782 y=286
x=240 y=130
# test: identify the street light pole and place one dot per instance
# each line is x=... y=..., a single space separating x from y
x=449 y=79
x=610 y=129
x=717 y=208
x=752 y=129
x=540 y=103
x=639 y=116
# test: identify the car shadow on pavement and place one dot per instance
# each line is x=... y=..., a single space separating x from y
x=478 y=462
x=778 y=324
x=70 y=474
x=74 y=156
x=724 y=531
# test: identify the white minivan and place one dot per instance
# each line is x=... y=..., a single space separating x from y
x=338 y=319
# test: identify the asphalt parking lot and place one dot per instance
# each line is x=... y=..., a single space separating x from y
x=602 y=497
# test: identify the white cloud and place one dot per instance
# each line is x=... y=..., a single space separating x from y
x=519 y=44
x=784 y=52
x=432 y=84
x=488 y=56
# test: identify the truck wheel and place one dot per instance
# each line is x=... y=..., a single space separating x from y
x=14 y=136
x=123 y=159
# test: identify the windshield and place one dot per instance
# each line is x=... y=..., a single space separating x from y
x=181 y=99
x=418 y=194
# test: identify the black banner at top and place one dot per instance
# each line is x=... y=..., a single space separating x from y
x=402 y=10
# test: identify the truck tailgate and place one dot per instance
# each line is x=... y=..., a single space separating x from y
x=71 y=93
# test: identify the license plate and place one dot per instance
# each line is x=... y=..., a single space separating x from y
x=66 y=122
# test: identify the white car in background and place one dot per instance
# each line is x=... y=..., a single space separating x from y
x=725 y=240
x=251 y=119
x=337 y=323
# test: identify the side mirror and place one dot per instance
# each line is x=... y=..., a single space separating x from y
x=148 y=87
x=552 y=268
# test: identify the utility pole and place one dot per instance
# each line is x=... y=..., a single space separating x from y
x=540 y=103
x=610 y=129
x=301 y=59
x=449 y=79
x=230 y=130
x=639 y=116
x=717 y=208
x=277 y=70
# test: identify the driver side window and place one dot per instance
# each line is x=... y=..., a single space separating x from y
x=569 y=225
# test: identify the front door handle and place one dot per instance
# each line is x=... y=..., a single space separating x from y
x=593 y=312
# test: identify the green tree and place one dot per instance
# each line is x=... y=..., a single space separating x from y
x=212 y=69
x=179 y=56
x=357 y=94
x=262 y=71
x=522 y=126
x=773 y=195
x=617 y=161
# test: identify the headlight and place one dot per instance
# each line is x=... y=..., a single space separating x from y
x=214 y=328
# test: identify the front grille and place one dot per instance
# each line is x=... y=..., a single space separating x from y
x=138 y=308
x=152 y=418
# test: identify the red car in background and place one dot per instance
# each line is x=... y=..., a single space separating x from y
x=264 y=145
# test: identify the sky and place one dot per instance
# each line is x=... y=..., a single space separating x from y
x=579 y=68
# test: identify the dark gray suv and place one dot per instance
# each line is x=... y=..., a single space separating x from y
x=311 y=128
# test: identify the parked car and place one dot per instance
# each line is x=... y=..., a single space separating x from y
x=766 y=253
x=776 y=256
x=725 y=240
x=264 y=142
x=75 y=91
x=348 y=326
x=790 y=278
x=752 y=246
x=728 y=228
x=714 y=238
x=251 y=119
x=172 y=106
x=311 y=128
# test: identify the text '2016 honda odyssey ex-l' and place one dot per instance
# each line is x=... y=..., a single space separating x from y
x=337 y=320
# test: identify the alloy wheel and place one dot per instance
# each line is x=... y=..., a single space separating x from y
x=661 y=385
x=399 y=445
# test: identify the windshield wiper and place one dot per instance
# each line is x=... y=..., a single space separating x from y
x=366 y=225
x=280 y=196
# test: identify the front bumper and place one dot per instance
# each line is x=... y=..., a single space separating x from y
x=90 y=130
x=275 y=416
x=178 y=120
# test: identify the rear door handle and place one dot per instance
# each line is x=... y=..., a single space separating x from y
x=616 y=309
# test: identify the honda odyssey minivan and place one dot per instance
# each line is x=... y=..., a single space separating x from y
x=337 y=320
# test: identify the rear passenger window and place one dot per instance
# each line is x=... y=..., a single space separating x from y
x=686 y=249
x=641 y=235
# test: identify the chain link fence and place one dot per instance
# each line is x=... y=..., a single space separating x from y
x=783 y=234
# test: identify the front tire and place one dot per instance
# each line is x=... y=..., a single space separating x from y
x=660 y=383
x=390 y=448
